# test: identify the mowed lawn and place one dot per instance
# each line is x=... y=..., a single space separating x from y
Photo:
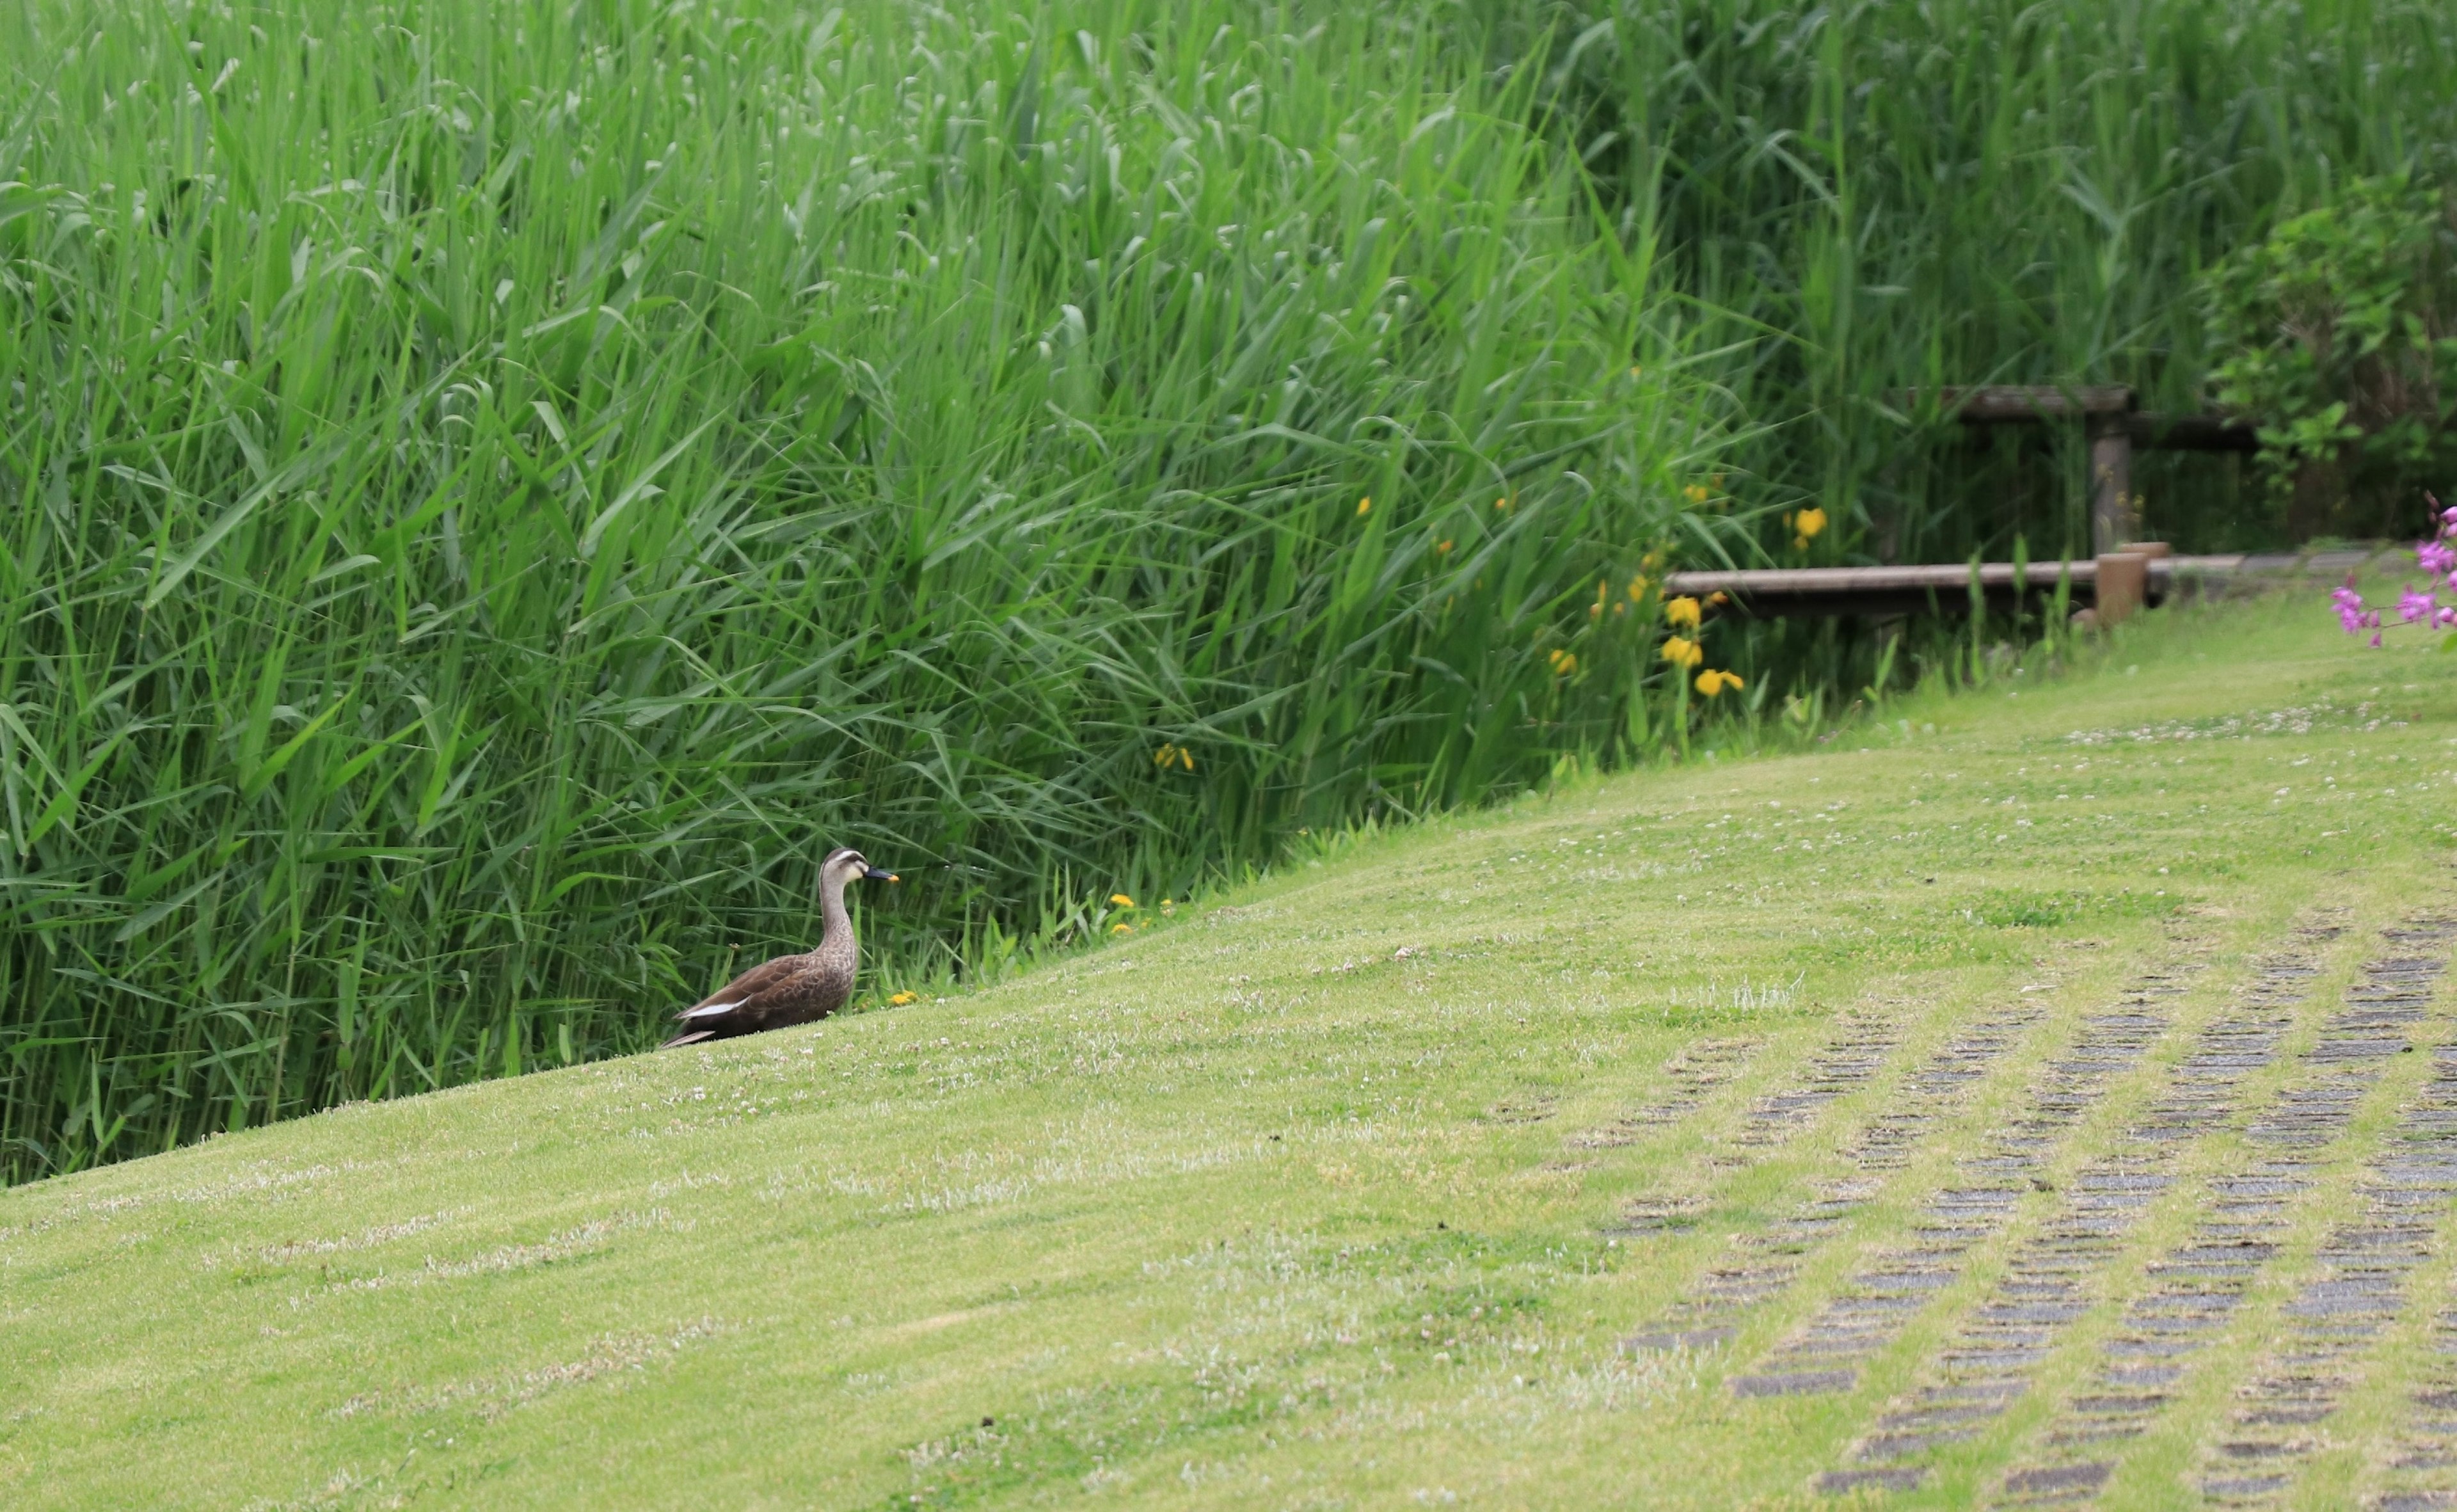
x=1342 y=1189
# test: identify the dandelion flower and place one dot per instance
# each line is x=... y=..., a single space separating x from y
x=898 y=1000
x=1122 y=899
x=1712 y=683
x=1682 y=611
x=1682 y=653
x=1122 y=929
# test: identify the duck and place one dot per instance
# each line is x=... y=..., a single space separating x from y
x=790 y=989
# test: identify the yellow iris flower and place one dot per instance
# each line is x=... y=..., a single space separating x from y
x=1682 y=611
x=1682 y=653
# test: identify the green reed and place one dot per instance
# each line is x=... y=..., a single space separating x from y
x=494 y=492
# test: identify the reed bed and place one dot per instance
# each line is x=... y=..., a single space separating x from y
x=493 y=492
x=1897 y=194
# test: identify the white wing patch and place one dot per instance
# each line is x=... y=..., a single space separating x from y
x=710 y=1010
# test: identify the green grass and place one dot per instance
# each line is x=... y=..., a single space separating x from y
x=1281 y=1201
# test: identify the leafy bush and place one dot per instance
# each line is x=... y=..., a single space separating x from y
x=2338 y=332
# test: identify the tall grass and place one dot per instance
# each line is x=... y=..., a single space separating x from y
x=1904 y=193
x=492 y=491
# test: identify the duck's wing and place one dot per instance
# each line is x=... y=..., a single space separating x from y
x=734 y=1004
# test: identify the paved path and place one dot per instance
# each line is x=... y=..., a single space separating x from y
x=2187 y=1163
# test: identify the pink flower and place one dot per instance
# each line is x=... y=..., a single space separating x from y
x=2412 y=605
x=2376 y=644
x=2436 y=557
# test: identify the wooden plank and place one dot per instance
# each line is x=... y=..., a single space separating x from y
x=1772 y=593
x=1998 y=403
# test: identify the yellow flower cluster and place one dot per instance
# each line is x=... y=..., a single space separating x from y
x=1564 y=662
x=1682 y=651
x=1173 y=755
x=1712 y=683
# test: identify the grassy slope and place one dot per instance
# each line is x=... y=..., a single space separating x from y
x=1243 y=1211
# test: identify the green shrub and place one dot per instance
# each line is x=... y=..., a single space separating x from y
x=2338 y=332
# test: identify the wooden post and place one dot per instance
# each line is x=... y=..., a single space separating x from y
x=2114 y=509
x=2123 y=582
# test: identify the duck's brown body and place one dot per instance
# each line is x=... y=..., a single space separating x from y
x=790 y=989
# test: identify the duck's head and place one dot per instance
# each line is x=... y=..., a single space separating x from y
x=845 y=864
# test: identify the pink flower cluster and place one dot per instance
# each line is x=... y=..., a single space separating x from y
x=2437 y=556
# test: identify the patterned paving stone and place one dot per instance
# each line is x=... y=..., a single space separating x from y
x=1688 y=1080
x=2047 y=1284
x=1873 y=1306
x=2198 y=1286
x=2357 y=1283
